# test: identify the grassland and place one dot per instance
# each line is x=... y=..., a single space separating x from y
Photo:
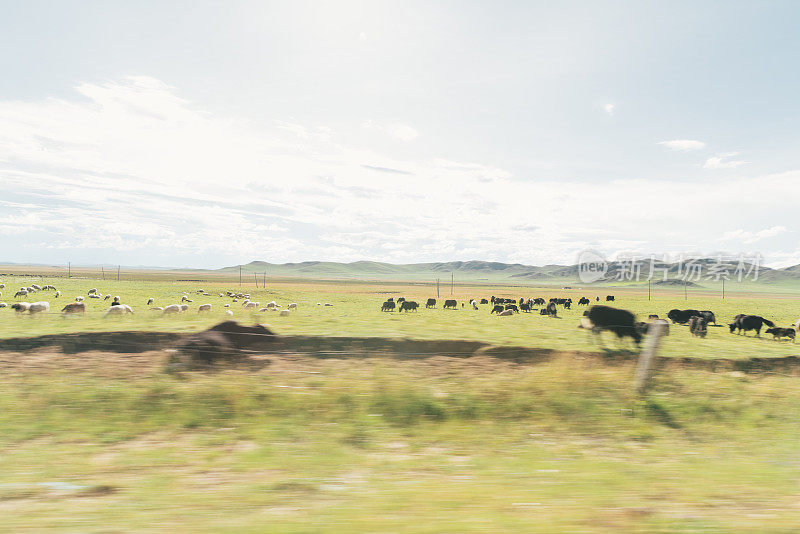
x=355 y=312
x=97 y=443
x=108 y=442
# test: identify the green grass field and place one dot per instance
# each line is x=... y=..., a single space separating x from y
x=108 y=442
x=356 y=312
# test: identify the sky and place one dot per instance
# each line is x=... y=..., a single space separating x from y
x=207 y=134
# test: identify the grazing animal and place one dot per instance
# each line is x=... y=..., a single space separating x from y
x=172 y=308
x=682 y=316
x=549 y=310
x=582 y=301
x=484 y=301
x=184 y=307
x=708 y=316
x=107 y=297
x=431 y=303
x=697 y=326
x=251 y=305
x=621 y=322
x=39 y=307
x=204 y=308
x=21 y=293
x=498 y=308
x=401 y=299
x=3 y=304
x=150 y=301
x=609 y=298
x=474 y=305
x=505 y=313
x=292 y=306
x=93 y=290
x=525 y=307
x=21 y=307
x=538 y=301
x=512 y=307
x=652 y=316
x=749 y=322
x=229 y=313
x=389 y=305
x=58 y=294
x=157 y=308
x=328 y=304
x=450 y=303
x=119 y=309
x=224 y=341
x=74 y=307
x=778 y=333
x=184 y=298
x=568 y=305
x=284 y=313
x=408 y=305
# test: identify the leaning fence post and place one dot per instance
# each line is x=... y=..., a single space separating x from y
x=655 y=332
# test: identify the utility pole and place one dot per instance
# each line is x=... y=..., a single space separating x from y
x=452 y=283
x=240 y=275
x=685 y=295
x=118 y=273
x=437 y=288
x=256 y=279
x=103 y=272
x=723 y=288
x=69 y=269
x=265 y=279
x=648 y=290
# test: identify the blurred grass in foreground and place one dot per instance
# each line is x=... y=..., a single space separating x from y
x=379 y=444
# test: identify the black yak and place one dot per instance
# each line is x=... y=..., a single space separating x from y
x=621 y=322
x=749 y=322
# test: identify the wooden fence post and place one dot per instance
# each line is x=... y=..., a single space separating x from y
x=655 y=331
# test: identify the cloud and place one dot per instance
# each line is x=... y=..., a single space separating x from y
x=683 y=145
x=129 y=167
x=397 y=130
x=748 y=237
x=609 y=108
x=722 y=161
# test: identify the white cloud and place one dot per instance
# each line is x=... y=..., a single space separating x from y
x=609 y=108
x=398 y=130
x=132 y=166
x=722 y=161
x=748 y=237
x=683 y=145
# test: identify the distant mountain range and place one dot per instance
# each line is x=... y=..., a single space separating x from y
x=484 y=270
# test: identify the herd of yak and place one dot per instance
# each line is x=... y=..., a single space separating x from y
x=599 y=317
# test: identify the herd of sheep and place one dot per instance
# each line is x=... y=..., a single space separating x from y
x=116 y=308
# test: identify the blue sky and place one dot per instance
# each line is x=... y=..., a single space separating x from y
x=209 y=133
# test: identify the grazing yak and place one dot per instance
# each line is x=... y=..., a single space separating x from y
x=74 y=307
x=582 y=301
x=697 y=326
x=431 y=303
x=484 y=301
x=408 y=305
x=749 y=322
x=450 y=303
x=550 y=310
x=778 y=332
x=497 y=309
x=621 y=322
x=609 y=298
x=388 y=305
x=526 y=307
x=512 y=307
x=224 y=341
x=538 y=301
x=682 y=316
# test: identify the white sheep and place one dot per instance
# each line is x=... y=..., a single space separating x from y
x=150 y=301
x=474 y=305
x=229 y=313
x=36 y=287
x=3 y=304
x=93 y=290
x=251 y=305
x=119 y=309
x=79 y=299
x=245 y=302
x=172 y=308
x=58 y=294
x=284 y=313
x=21 y=293
x=204 y=308
x=94 y=296
x=328 y=304
x=107 y=297
x=157 y=308
x=2 y=286
x=184 y=307
x=292 y=306
x=38 y=307
x=184 y=298
x=227 y=305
